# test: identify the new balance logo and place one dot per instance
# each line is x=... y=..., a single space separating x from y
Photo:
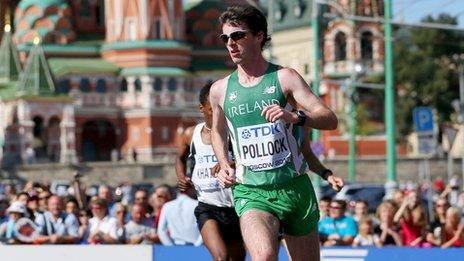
x=269 y=90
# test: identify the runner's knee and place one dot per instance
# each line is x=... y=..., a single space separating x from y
x=220 y=255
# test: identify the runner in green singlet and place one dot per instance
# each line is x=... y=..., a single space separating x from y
x=270 y=185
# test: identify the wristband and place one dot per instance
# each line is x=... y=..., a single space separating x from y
x=301 y=118
x=326 y=173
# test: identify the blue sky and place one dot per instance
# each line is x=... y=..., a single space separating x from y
x=414 y=10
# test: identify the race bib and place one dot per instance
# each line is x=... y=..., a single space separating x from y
x=263 y=146
x=202 y=177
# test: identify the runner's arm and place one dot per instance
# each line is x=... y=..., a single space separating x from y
x=319 y=116
x=226 y=175
x=218 y=129
x=316 y=166
x=183 y=151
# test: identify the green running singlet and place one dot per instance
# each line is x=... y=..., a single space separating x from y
x=266 y=153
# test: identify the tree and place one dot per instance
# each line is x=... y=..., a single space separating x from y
x=423 y=73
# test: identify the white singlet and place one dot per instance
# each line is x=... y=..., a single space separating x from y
x=208 y=189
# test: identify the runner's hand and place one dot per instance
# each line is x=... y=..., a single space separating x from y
x=217 y=167
x=274 y=112
x=226 y=177
x=184 y=183
x=336 y=182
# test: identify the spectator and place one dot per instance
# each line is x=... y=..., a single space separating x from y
x=438 y=188
x=3 y=212
x=10 y=192
x=177 y=224
x=139 y=229
x=104 y=192
x=337 y=229
x=434 y=231
x=83 y=226
x=58 y=227
x=398 y=197
x=453 y=229
x=121 y=217
x=16 y=211
x=102 y=227
x=134 y=154
x=360 y=210
x=141 y=197
x=23 y=197
x=388 y=233
x=366 y=236
x=72 y=207
x=30 y=155
x=324 y=207
x=43 y=200
x=413 y=221
x=161 y=195
x=33 y=209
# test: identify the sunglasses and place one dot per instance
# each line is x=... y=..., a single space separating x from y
x=335 y=207
x=235 y=36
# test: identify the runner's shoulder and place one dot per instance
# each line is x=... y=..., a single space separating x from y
x=286 y=73
x=220 y=84
x=218 y=88
x=188 y=134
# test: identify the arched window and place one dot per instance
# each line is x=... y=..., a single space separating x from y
x=100 y=13
x=85 y=85
x=101 y=86
x=158 y=85
x=138 y=85
x=366 y=46
x=172 y=85
x=64 y=86
x=38 y=130
x=123 y=85
x=340 y=46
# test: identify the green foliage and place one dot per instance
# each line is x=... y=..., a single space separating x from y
x=423 y=73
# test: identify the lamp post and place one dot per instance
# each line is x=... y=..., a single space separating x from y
x=358 y=70
x=458 y=60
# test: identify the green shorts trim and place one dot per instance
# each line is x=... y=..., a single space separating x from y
x=294 y=203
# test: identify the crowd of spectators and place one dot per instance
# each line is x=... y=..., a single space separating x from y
x=34 y=215
x=404 y=220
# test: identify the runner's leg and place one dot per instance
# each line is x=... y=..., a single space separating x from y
x=236 y=251
x=213 y=240
x=303 y=247
x=260 y=231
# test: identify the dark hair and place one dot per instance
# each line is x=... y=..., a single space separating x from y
x=71 y=199
x=362 y=201
x=204 y=93
x=341 y=202
x=326 y=198
x=249 y=15
x=99 y=202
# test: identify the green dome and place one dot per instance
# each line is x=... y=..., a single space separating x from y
x=43 y=4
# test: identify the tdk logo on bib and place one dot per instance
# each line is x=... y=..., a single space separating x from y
x=261 y=131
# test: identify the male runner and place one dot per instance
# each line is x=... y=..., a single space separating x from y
x=216 y=217
x=271 y=188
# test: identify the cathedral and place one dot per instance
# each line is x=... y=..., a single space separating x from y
x=92 y=80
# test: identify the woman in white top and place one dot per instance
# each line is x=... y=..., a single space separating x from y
x=216 y=217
